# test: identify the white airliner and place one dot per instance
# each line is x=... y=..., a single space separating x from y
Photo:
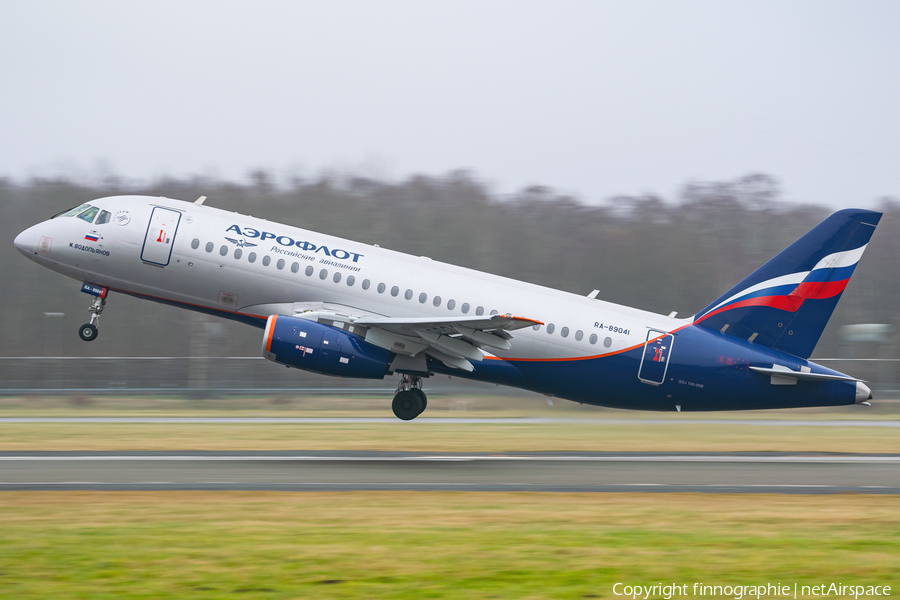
x=343 y=308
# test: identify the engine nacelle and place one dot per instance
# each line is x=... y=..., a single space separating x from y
x=319 y=348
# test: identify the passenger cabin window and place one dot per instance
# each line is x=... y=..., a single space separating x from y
x=89 y=214
x=394 y=291
x=366 y=284
x=351 y=280
x=103 y=217
x=479 y=311
x=564 y=332
x=337 y=277
x=295 y=267
x=323 y=274
x=465 y=308
x=266 y=261
x=251 y=257
x=381 y=288
x=551 y=328
x=451 y=304
x=309 y=271
x=223 y=250
x=237 y=253
x=280 y=264
x=209 y=246
x=408 y=295
x=195 y=244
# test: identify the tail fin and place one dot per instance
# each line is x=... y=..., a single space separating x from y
x=786 y=303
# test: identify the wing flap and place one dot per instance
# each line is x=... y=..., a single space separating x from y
x=453 y=341
x=447 y=326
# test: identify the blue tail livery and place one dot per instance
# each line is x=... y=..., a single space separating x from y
x=786 y=303
x=347 y=309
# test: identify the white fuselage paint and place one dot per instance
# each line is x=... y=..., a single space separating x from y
x=210 y=280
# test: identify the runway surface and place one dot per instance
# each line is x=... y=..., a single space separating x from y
x=459 y=421
x=787 y=473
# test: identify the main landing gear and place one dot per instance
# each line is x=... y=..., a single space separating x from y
x=410 y=401
x=88 y=332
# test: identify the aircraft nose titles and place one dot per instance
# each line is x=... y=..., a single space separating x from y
x=287 y=241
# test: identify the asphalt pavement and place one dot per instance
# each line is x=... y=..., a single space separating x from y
x=773 y=472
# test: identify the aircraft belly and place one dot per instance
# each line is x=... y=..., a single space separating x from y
x=707 y=375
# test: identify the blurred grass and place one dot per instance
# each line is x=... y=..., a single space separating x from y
x=446 y=437
x=431 y=545
x=593 y=428
x=439 y=406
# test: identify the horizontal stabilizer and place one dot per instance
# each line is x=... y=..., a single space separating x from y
x=801 y=376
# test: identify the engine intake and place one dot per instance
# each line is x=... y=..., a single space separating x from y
x=319 y=348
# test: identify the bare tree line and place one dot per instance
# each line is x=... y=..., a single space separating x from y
x=637 y=250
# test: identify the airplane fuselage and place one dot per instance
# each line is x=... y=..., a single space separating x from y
x=581 y=349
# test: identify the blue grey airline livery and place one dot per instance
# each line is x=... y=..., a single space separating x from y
x=348 y=309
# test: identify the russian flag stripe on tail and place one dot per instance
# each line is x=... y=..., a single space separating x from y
x=786 y=303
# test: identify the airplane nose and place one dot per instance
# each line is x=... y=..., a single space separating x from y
x=24 y=242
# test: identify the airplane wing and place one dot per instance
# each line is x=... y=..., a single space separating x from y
x=453 y=340
x=452 y=325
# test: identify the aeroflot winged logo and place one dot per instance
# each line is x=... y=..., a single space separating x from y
x=240 y=243
x=287 y=241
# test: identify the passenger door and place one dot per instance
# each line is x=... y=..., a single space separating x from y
x=160 y=236
x=655 y=360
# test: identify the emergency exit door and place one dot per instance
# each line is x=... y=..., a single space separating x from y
x=655 y=361
x=160 y=236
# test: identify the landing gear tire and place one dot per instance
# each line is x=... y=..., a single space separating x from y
x=409 y=404
x=423 y=398
x=88 y=332
x=409 y=401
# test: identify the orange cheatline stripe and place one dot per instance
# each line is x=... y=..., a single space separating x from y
x=271 y=327
x=613 y=353
x=203 y=306
x=536 y=322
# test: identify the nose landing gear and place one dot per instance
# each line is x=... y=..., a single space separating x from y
x=410 y=401
x=88 y=332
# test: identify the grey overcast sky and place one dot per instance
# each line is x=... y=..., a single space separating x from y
x=591 y=98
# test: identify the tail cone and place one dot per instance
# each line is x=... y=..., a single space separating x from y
x=863 y=392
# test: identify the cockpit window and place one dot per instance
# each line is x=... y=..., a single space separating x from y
x=72 y=211
x=103 y=217
x=89 y=214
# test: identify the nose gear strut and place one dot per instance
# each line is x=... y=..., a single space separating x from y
x=88 y=332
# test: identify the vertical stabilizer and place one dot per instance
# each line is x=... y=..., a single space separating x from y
x=786 y=303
